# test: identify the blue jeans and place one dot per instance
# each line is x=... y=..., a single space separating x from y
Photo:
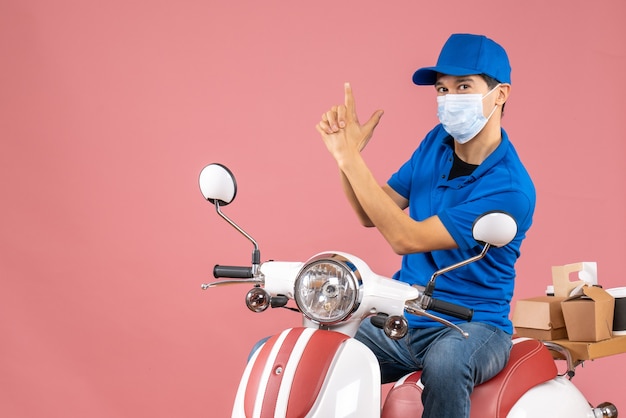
x=451 y=364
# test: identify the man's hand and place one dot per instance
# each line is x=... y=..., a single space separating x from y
x=340 y=128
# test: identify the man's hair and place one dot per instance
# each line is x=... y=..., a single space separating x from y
x=492 y=83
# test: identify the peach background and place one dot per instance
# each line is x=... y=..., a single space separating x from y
x=109 y=110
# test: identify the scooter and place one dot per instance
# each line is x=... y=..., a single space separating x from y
x=319 y=370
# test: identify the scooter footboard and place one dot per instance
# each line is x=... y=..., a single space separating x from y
x=305 y=372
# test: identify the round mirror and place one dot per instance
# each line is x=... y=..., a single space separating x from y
x=495 y=228
x=217 y=183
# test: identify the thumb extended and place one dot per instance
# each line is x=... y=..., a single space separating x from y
x=373 y=120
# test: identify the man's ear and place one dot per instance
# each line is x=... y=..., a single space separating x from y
x=503 y=93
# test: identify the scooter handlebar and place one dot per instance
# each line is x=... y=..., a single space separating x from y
x=451 y=309
x=233 y=272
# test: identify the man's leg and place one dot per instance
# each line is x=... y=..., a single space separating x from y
x=453 y=365
x=396 y=358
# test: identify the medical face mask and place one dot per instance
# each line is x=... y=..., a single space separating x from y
x=462 y=114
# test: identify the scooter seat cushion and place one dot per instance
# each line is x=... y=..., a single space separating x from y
x=529 y=365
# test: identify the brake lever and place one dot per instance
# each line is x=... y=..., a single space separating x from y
x=413 y=306
x=254 y=280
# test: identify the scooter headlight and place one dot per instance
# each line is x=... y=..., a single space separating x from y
x=327 y=289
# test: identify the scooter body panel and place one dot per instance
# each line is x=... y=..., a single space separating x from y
x=554 y=398
x=304 y=372
x=352 y=386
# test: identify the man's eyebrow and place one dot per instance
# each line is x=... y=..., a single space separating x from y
x=468 y=79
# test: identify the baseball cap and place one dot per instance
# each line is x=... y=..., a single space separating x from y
x=466 y=54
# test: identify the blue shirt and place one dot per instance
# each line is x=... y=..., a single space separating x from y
x=500 y=183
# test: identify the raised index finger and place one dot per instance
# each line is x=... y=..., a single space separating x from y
x=349 y=100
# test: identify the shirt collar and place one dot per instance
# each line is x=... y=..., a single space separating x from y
x=492 y=159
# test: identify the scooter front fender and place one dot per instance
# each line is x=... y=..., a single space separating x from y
x=304 y=372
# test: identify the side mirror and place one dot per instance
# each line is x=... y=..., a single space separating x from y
x=217 y=184
x=495 y=228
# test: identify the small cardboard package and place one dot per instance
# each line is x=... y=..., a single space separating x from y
x=589 y=314
x=540 y=318
x=586 y=273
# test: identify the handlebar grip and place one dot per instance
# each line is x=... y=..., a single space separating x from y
x=451 y=309
x=379 y=320
x=233 y=272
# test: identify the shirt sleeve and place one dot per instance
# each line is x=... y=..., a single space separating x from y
x=459 y=220
x=400 y=181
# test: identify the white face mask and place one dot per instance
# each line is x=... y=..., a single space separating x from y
x=462 y=114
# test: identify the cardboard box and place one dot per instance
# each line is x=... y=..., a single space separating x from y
x=562 y=275
x=592 y=350
x=540 y=318
x=589 y=316
x=541 y=334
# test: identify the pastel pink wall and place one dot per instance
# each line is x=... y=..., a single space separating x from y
x=109 y=109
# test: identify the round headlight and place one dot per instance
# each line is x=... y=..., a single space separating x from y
x=326 y=289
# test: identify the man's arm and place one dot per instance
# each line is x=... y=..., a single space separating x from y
x=354 y=202
x=379 y=206
x=404 y=234
x=356 y=205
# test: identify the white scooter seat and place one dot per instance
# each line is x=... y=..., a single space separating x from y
x=530 y=364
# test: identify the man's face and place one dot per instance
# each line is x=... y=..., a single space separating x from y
x=467 y=84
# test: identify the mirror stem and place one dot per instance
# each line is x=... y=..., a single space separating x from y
x=430 y=287
x=256 y=254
